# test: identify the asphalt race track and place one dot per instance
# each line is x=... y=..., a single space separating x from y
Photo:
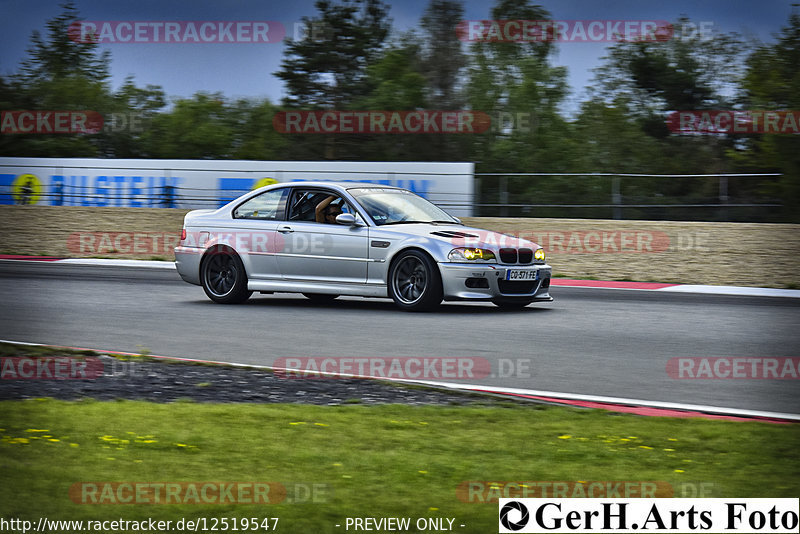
x=589 y=341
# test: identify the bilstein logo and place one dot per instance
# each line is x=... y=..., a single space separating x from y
x=514 y=508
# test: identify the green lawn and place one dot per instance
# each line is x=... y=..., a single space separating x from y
x=358 y=461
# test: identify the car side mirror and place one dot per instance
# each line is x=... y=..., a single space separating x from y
x=347 y=219
x=457 y=220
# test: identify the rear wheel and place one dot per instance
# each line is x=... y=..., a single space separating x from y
x=414 y=282
x=223 y=277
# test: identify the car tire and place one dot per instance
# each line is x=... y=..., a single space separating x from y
x=414 y=282
x=512 y=304
x=319 y=297
x=223 y=277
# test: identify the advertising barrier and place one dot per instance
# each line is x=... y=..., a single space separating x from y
x=188 y=184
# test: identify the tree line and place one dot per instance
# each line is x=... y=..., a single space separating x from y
x=352 y=59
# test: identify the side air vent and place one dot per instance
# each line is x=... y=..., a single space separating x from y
x=452 y=234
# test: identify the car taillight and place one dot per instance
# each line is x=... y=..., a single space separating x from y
x=183 y=234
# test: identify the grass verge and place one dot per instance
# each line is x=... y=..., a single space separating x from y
x=356 y=461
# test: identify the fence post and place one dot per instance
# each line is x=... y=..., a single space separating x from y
x=616 y=197
x=723 y=197
x=476 y=196
x=504 y=196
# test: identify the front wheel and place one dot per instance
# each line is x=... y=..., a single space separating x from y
x=223 y=277
x=414 y=282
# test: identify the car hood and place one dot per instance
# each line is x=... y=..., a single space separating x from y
x=460 y=236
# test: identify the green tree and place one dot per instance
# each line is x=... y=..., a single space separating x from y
x=442 y=58
x=254 y=135
x=58 y=74
x=326 y=69
x=772 y=82
x=639 y=83
x=62 y=73
x=196 y=128
x=516 y=84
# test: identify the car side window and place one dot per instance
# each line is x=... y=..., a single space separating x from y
x=265 y=206
x=305 y=201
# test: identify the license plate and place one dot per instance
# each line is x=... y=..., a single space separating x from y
x=522 y=274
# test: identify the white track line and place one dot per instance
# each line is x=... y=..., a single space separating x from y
x=149 y=264
x=681 y=288
x=478 y=388
x=733 y=290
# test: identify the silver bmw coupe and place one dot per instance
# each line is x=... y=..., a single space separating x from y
x=325 y=239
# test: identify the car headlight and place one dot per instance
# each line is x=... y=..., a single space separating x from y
x=471 y=254
x=539 y=254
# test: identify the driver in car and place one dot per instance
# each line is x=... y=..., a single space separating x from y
x=325 y=212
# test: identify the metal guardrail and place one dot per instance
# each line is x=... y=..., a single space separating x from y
x=616 y=204
x=482 y=201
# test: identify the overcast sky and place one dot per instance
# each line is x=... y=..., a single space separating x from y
x=246 y=69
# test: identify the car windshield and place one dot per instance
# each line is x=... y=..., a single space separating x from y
x=398 y=206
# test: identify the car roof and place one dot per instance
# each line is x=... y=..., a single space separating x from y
x=338 y=184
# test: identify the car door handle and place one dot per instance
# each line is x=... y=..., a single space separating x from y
x=285 y=229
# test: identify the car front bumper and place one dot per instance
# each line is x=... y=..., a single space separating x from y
x=486 y=281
